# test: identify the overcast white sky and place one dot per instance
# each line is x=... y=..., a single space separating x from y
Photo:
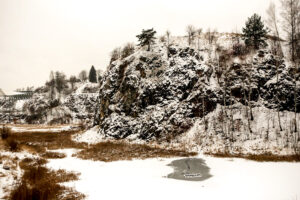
x=37 y=36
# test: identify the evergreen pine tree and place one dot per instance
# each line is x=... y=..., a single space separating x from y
x=255 y=32
x=93 y=75
x=146 y=38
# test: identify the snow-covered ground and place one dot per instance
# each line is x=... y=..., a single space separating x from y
x=266 y=136
x=19 y=104
x=146 y=179
x=41 y=128
x=90 y=136
x=85 y=85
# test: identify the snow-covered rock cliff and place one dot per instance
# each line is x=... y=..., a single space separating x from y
x=162 y=94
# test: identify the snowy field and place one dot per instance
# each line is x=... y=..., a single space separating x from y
x=146 y=179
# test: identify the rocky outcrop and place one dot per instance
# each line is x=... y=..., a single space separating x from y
x=154 y=95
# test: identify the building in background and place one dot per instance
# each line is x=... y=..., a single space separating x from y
x=2 y=94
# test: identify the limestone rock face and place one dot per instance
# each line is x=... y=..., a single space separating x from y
x=159 y=94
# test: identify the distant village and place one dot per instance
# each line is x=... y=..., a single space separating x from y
x=17 y=95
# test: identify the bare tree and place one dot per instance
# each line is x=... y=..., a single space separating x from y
x=291 y=25
x=250 y=84
x=191 y=31
x=51 y=84
x=115 y=54
x=295 y=73
x=72 y=81
x=246 y=100
x=277 y=93
x=203 y=113
x=199 y=31
x=272 y=22
x=268 y=125
x=168 y=34
x=277 y=50
x=223 y=65
x=231 y=112
x=127 y=50
x=83 y=75
x=290 y=15
x=60 y=82
x=210 y=36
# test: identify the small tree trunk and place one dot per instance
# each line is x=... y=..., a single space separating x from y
x=268 y=127
x=203 y=113
x=224 y=101
x=277 y=88
x=168 y=44
x=219 y=70
x=231 y=110
x=231 y=117
x=249 y=96
x=295 y=101
x=249 y=103
x=246 y=105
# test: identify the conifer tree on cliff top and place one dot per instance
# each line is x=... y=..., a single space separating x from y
x=146 y=38
x=93 y=75
x=255 y=32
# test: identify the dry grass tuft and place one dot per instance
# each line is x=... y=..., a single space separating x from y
x=266 y=157
x=38 y=182
x=112 y=151
x=5 y=132
x=39 y=142
x=12 y=144
x=53 y=155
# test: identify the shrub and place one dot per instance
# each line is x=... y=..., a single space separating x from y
x=115 y=54
x=162 y=38
x=65 y=119
x=239 y=49
x=40 y=183
x=127 y=50
x=12 y=144
x=82 y=126
x=33 y=118
x=5 y=132
x=54 y=103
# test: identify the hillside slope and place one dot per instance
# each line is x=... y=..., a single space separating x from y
x=76 y=107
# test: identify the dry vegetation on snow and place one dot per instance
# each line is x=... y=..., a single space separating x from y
x=39 y=182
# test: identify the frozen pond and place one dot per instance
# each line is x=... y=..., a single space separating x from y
x=221 y=178
x=189 y=169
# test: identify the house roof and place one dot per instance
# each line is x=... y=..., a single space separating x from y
x=1 y=92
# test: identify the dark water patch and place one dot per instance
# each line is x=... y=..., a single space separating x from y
x=190 y=169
